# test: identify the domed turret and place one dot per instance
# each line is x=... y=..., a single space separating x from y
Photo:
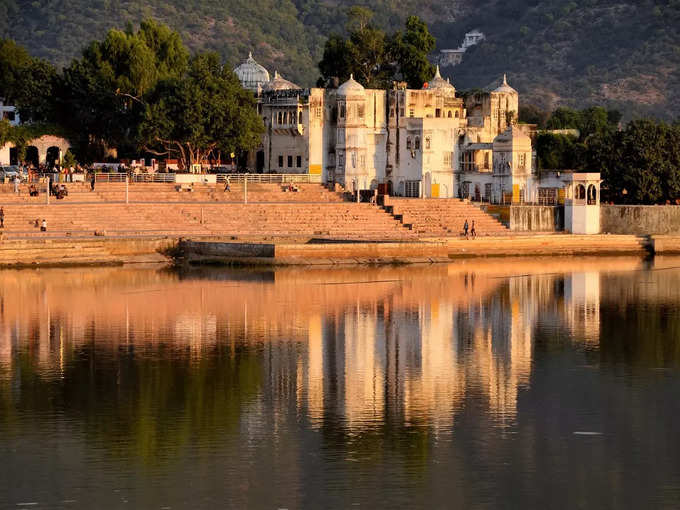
x=251 y=74
x=279 y=83
x=505 y=88
x=351 y=88
x=439 y=83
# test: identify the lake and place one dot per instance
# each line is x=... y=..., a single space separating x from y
x=487 y=383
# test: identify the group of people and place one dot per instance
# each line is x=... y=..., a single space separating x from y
x=469 y=231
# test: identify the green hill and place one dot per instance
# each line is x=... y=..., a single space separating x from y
x=620 y=53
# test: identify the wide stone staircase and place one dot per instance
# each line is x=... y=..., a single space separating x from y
x=326 y=220
x=442 y=217
x=172 y=192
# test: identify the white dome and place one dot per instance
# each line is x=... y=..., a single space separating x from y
x=505 y=88
x=251 y=74
x=279 y=83
x=439 y=83
x=351 y=88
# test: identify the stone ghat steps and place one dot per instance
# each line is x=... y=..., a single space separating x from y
x=166 y=192
x=443 y=217
x=346 y=220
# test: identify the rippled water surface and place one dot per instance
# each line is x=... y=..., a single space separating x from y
x=534 y=383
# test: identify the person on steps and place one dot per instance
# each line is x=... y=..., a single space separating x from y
x=2 y=217
x=465 y=228
x=43 y=225
x=473 y=231
x=92 y=183
x=226 y=184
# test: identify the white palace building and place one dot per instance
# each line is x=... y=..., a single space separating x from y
x=426 y=142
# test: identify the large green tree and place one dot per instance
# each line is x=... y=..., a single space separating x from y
x=101 y=94
x=203 y=111
x=376 y=58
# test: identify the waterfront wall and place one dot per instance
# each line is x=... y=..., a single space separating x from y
x=640 y=219
x=536 y=218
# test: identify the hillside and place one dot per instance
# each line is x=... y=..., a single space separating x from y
x=620 y=53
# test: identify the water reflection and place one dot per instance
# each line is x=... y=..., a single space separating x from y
x=153 y=367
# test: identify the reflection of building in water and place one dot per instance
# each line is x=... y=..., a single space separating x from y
x=582 y=306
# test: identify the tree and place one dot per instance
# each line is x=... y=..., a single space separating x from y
x=374 y=58
x=101 y=94
x=204 y=110
x=410 y=50
x=27 y=82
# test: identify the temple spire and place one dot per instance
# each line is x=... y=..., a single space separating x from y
x=436 y=74
x=505 y=79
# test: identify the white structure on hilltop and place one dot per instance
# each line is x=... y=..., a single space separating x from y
x=452 y=57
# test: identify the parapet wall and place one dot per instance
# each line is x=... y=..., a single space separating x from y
x=640 y=219
x=536 y=218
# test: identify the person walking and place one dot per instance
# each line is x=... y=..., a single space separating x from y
x=226 y=184
x=465 y=228
x=473 y=231
x=43 y=225
x=16 y=184
x=2 y=217
x=92 y=182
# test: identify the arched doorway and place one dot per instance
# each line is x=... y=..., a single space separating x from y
x=52 y=158
x=31 y=157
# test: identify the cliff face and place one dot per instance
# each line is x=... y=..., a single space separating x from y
x=620 y=53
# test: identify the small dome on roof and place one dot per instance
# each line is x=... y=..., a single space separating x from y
x=279 y=83
x=439 y=83
x=251 y=74
x=351 y=88
x=505 y=87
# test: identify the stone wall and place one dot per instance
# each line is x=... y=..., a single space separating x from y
x=640 y=219
x=536 y=218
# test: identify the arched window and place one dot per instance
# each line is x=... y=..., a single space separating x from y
x=457 y=114
x=592 y=195
x=408 y=143
x=580 y=192
x=300 y=117
x=417 y=147
x=279 y=118
x=486 y=160
x=449 y=114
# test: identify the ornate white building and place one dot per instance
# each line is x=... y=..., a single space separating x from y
x=407 y=142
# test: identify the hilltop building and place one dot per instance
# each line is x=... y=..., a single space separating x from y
x=426 y=142
x=453 y=57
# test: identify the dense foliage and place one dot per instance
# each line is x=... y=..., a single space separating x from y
x=134 y=91
x=376 y=58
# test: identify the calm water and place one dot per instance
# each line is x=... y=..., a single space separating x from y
x=546 y=383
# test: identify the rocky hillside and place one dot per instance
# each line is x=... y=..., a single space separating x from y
x=620 y=53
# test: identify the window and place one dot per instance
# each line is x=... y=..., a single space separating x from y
x=362 y=161
x=411 y=112
x=408 y=143
x=457 y=114
x=437 y=112
x=417 y=145
x=447 y=159
x=354 y=160
x=342 y=112
x=279 y=118
x=547 y=196
x=427 y=142
x=448 y=114
x=486 y=160
x=317 y=112
x=487 y=192
x=361 y=111
x=401 y=112
x=592 y=195
x=298 y=161
x=280 y=161
x=522 y=160
x=300 y=117
x=290 y=161
x=412 y=189
x=341 y=161
x=391 y=112
x=580 y=192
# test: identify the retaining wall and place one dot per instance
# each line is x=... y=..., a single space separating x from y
x=536 y=218
x=640 y=219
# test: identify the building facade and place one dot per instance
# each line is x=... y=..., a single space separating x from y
x=426 y=142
